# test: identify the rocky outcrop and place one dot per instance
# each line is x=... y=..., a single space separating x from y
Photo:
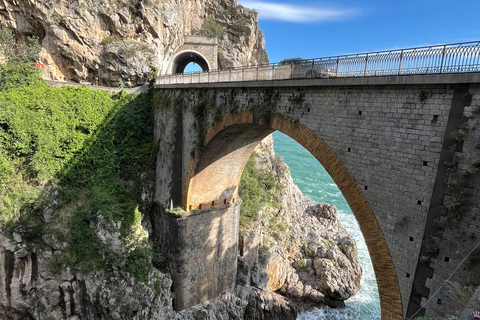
x=299 y=250
x=118 y=41
x=29 y=290
x=296 y=255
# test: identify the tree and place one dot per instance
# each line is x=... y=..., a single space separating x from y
x=14 y=52
x=16 y=61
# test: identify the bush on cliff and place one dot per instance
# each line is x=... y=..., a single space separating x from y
x=257 y=189
x=98 y=149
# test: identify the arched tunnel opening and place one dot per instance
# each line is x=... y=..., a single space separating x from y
x=184 y=58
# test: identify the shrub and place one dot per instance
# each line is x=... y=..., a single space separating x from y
x=257 y=188
x=210 y=28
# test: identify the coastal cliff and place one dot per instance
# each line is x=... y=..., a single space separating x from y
x=295 y=255
x=119 y=41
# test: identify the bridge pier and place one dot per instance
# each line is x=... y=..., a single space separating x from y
x=202 y=248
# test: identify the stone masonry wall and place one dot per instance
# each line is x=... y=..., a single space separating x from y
x=388 y=136
x=203 y=253
x=458 y=238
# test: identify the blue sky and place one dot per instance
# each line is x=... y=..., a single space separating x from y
x=312 y=29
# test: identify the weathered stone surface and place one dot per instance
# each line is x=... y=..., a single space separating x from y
x=306 y=255
x=117 y=41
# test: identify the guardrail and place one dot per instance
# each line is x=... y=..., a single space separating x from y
x=448 y=58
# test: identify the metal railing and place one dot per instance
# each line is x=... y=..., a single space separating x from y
x=449 y=58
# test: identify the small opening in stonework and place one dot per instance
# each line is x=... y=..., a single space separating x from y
x=366 y=187
x=408 y=275
x=199 y=207
x=419 y=202
x=439 y=301
x=349 y=149
x=425 y=163
x=435 y=118
x=308 y=110
x=224 y=201
x=233 y=200
x=359 y=113
x=190 y=208
x=213 y=203
x=446 y=259
x=410 y=238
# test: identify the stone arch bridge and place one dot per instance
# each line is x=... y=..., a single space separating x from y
x=384 y=141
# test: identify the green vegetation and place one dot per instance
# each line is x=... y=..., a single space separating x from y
x=18 y=59
x=210 y=28
x=97 y=151
x=257 y=189
x=111 y=39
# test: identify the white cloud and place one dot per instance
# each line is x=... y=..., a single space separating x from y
x=295 y=13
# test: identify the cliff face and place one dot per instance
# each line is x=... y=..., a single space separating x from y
x=298 y=249
x=119 y=41
x=295 y=255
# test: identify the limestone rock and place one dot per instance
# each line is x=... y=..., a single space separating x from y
x=116 y=42
x=312 y=260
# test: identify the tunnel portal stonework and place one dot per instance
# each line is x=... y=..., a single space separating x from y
x=383 y=140
x=198 y=49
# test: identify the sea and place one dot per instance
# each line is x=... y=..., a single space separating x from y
x=317 y=185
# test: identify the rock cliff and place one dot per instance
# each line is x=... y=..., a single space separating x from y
x=298 y=249
x=118 y=41
x=296 y=255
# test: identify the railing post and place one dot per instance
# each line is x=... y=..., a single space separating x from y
x=366 y=62
x=336 y=71
x=400 y=63
x=443 y=58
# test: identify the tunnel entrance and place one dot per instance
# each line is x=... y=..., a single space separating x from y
x=184 y=58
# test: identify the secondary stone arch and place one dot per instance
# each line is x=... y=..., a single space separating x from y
x=182 y=58
x=212 y=179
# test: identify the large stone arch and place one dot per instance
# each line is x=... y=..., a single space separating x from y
x=229 y=143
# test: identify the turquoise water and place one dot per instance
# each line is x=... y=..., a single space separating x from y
x=317 y=186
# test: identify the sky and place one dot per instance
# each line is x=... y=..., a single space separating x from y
x=314 y=29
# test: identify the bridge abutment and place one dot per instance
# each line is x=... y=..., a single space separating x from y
x=202 y=248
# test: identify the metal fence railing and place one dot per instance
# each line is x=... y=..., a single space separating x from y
x=449 y=58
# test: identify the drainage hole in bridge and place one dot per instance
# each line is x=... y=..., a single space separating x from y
x=233 y=200
x=446 y=259
x=349 y=149
x=213 y=203
x=425 y=163
x=224 y=201
x=410 y=238
x=419 y=202
x=366 y=188
x=408 y=275
x=200 y=207
x=190 y=208
x=359 y=113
